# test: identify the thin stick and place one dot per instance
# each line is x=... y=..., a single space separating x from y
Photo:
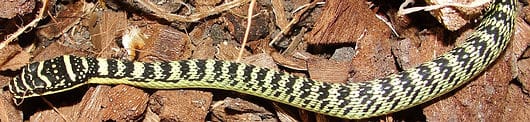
x=404 y=11
x=247 y=30
x=295 y=20
x=193 y=17
x=32 y=24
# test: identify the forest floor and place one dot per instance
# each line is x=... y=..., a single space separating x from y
x=333 y=41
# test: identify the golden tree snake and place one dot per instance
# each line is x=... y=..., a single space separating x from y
x=355 y=100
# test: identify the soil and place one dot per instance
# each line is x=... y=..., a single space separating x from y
x=333 y=41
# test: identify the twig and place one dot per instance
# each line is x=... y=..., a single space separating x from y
x=193 y=17
x=247 y=30
x=32 y=24
x=295 y=20
x=403 y=11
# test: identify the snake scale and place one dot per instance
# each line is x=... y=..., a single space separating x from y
x=346 y=100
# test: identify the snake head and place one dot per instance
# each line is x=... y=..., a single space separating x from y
x=18 y=87
x=49 y=77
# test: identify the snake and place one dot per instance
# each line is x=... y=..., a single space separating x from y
x=351 y=100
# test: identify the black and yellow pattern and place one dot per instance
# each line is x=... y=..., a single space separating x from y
x=348 y=100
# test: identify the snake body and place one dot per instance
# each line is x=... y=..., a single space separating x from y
x=346 y=100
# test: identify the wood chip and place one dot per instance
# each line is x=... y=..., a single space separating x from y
x=258 y=29
x=346 y=22
x=13 y=58
x=12 y=8
x=181 y=105
x=110 y=26
x=329 y=71
x=64 y=20
x=237 y=109
x=9 y=112
x=125 y=108
x=229 y=51
x=165 y=43
x=289 y=61
x=453 y=18
x=261 y=60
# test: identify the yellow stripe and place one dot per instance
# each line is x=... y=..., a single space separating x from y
x=68 y=66
x=240 y=74
x=138 y=70
x=39 y=75
x=209 y=69
x=85 y=64
x=103 y=67
x=158 y=71
x=175 y=71
x=192 y=70
x=120 y=67
x=23 y=80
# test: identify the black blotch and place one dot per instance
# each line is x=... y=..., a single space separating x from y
x=306 y=85
x=77 y=67
x=423 y=71
x=323 y=104
x=201 y=68
x=261 y=77
x=387 y=87
x=61 y=74
x=414 y=96
x=396 y=102
x=275 y=79
x=289 y=84
x=433 y=87
x=92 y=67
x=323 y=91
x=112 y=67
x=347 y=110
x=363 y=91
x=406 y=80
x=129 y=68
x=343 y=93
x=246 y=72
x=234 y=82
x=232 y=69
x=184 y=68
x=291 y=99
x=306 y=101
x=277 y=94
x=166 y=68
x=377 y=106
x=148 y=71
x=218 y=65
